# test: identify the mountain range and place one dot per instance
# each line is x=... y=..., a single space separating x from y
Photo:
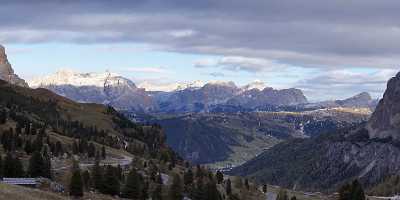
x=123 y=94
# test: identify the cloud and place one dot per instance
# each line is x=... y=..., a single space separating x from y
x=216 y=74
x=237 y=63
x=313 y=33
x=154 y=70
x=345 y=83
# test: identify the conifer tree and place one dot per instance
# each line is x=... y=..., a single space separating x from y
x=134 y=186
x=3 y=117
x=36 y=165
x=76 y=184
x=103 y=152
x=175 y=190
x=18 y=168
x=111 y=184
x=86 y=180
x=1 y=167
x=188 y=177
x=219 y=176
x=353 y=191
x=282 y=195
x=157 y=193
x=47 y=166
x=199 y=192
x=246 y=184
x=265 y=188
x=228 y=187
x=212 y=191
x=28 y=147
x=97 y=175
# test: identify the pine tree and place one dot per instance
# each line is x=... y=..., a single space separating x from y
x=3 y=117
x=103 y=152
x=228 y=187
x=97 y=175
x=282 y=195
x=1 y=167
x=8 y=168
x=86 y=180
x=353 y=191
x=157 y=193
x=199 y=192
x=12 y=167
x=47 y=166
x=75 y=148
x=199 y=172
x=175 y=190
x=212 y=191
x=76 y=184
x=18 y=168
x=220 y=177
x=357 y=191
x=188 y=177
x=36 y=165
x=134 y=186
x=111 y=184
x=246 y=184
x=293 y=198
x=265 y=188
x=58 y=150
x=28 y=147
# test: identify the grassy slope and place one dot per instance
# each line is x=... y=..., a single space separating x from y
x=13 y=192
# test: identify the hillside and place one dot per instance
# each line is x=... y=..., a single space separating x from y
x=327 y=161
x=226 y=139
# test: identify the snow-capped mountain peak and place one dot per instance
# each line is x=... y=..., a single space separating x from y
x=70 y=77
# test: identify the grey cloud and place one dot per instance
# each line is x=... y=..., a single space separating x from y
x=313 y=33
x=344 y=83
x=217 y=74
x=238 y=63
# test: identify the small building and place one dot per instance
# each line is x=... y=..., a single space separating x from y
x=31 y=182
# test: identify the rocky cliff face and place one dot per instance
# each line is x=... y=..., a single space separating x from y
x=363 y=99
x=103 y=88
x=256 y=98
x=6 y=71
x=385 y=121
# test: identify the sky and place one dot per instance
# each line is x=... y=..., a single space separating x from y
x=329 y=49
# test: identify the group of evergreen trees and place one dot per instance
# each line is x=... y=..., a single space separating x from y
x=105 y=179
x=352 y=191
x=87 y=148
x=39 y=166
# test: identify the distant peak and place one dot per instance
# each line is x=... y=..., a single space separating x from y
x=71 y=77
x=256 y=84
x=365 y=95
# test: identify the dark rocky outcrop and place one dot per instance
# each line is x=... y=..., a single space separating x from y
x=6 y=71
x=385 y=121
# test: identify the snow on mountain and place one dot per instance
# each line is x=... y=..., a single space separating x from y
x=170 y=87
x=105 y=88
x=257 y=84
x=70 y=77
